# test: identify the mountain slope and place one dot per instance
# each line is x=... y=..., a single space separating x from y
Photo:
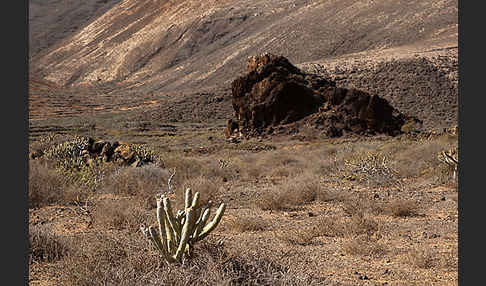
x=51 y=21
x=170 y=45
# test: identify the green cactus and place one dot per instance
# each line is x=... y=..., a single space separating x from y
x=178 y=233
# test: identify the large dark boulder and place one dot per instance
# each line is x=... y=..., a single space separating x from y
x=274 y=92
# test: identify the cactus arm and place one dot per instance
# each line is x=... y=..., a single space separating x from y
x=164 y=228
x=160 y=245
x=186 y=233
x=156 y=240
x=188 y=199
x=171 y=240
x=195 y=201
x=214 y=222
x=180 y=214
x=174 y=224
x=161 y=221
x=200 y=224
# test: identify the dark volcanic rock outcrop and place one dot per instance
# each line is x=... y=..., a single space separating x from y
x=276 y=93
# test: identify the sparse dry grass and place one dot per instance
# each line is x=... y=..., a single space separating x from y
x=106 y=260
x=331 y=227
x=45 y=185
x=365 y=246
x=246 y=224
x=144 y=181
x=330 y=196
x=418 y=159
x=120 y=214
x=45 y=245
x=207 y=188
x=270 y=199
x=403 y=208
x=357 y=225
x=295 y=191
x=113 y=252
x=360 y=224
x=185 y=167
x=299 y=236
x=422 y=258
x=48 y=186
x=362 y=205
x=398 y=207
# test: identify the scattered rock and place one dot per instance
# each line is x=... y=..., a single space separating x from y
x=97 y=147
x=107 y=151
x=363 y=277
x=36 y=154
x=231 y=128
x=89 y=150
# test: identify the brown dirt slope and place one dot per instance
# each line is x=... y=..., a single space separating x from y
x=51 y=21
x=175 y=44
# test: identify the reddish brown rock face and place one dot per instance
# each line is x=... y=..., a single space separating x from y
x=274 y=92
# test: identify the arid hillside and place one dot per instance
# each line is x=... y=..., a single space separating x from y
x=142 y=51
x=50 y=21
x=173 y=44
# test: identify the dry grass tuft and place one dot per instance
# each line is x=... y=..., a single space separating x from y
x=299 y=236
x=207 y=188
x=330 y=196
x=45 y=245
x=403 y=208
x=246 y=224
x=423 y=258
x=295 y=191
x=98 y=260
x=361 y=224
x=365 y=246
x=362 y=205
x=342 y=227
x=185 y=167
x=47 y=186
x=332 y=226
x=398 y=208
x=120 y=214
x=143 y=181
x=270 y=200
